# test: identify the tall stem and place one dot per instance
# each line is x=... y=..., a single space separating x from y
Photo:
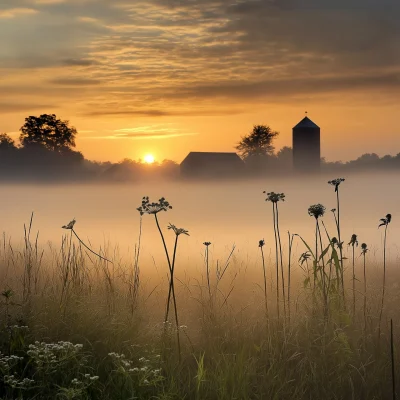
x=340 y=245
x=277 y=262
x=354 y=286
x=281 y=261
x=384 y=282
x=208 y=274
x=392 y=361
x=265 y=282
x=365 y=296
x=323 y=274
x=289 y=268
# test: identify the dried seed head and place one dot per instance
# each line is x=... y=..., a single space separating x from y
x=386 y=221
x=153 y=208
x=353 y=241
x=70 y=225
x=275 y=197
x=261 y=243
x=336 y=182
x=316 y=211
x=207 y=244
x=178 y=231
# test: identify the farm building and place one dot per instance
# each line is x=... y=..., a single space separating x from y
x=211 y=165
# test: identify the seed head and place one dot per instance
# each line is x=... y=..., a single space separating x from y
x=353 y=241
x=207 y=244
x=153 y=208
x=316 y=211
x=70 y=225
x=275 y=197
x=364 y=248
x=261 y=243
x=336 y=182
x=178 y=231
x=304 y=257
x=386 y=221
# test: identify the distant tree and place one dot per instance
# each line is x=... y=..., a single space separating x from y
x=49 y=132
x=285 y=156
x=6 y=142
x=257 y=143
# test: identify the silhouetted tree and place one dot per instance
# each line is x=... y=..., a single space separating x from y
x=257 y=143
x=6 y=142
x=285 y=157
x=49 y=132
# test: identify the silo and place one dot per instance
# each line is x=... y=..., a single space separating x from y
x=306 y=146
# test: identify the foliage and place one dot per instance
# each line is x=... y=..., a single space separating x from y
x=48 y=131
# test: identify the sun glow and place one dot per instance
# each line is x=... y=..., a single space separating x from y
x=149 y=159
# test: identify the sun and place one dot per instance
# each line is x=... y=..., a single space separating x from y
x=149 y=159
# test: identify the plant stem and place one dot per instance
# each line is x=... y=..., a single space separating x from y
x=354 y=286
x=265 y=282
x=277 y=262
x=208 y=274
x=365 y=297
x=392 y=361
x=384 y=282
x=281 y=261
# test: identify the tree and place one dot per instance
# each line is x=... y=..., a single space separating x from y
x=257 y=143
x=48 y=131
x=6 y=142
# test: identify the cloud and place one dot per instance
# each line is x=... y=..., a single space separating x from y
x=75 y=81
x=6 y=108
x=15 y=12
x=145 y=132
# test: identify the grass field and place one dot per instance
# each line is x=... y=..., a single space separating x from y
x=84 y=323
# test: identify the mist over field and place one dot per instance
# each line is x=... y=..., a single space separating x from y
x=222 y=212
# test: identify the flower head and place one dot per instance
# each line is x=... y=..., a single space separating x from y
x=275 y=197
x=336 y=182
x=316 y=211
x=70 y=225
x=207 y=244
x=261 y=243
x=364 y=248
x=304 y=257
x=353 y=241
x=153 y=208
x=386 y=221
x=178 y=231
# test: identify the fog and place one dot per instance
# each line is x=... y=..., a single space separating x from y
x=224 y=213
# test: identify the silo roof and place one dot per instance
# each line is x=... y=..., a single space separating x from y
x=306 y=123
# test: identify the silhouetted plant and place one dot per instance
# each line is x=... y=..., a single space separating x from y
x=290 y=237
x=274 y=198
x=261 y=244
x=336 y=183
x=364 y=250
x=392 y=361
x=384 y=222
x=207 y=244
x=317 y=211
x=354 y=243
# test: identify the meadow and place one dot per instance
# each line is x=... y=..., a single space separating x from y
x=223 y=296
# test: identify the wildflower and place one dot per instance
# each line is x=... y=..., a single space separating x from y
x=336 y=183
x=364 y=248
x=207 y=244
x=178 y=231
x=334 y=242
x=386 y=221
x=70 y=225
x=261 y=243
x=333 y=210
x=316 y=211
x=275 y=197
x=304 y=257
x=153 y=208
x=353 y=240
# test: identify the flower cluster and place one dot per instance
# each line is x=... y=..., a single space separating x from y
x=178 y=231
x=143 y=371
x=336 y=182
x=8 y=362
x=275 y=197
x=316 y=211
x=86 y=381
x=70 y=225
x=52 y=353
x=261 y=243
x=16 y=383
x=207 y=244
x=153 y=208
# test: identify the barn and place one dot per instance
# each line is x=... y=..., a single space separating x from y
x=211 y=165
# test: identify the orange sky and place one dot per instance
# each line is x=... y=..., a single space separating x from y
x=170 y=77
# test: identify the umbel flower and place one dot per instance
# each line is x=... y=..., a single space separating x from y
x=316 y=211
x=386 y=221
x=261 y=243
x=178 y=231
x=275 y=197
x=207 y=244
x=153 y=208
x=353 y=241
x=336 y=182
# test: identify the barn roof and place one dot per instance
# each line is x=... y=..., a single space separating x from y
x=306 y=123
x=212 y=157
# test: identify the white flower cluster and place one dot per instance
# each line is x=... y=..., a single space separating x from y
x=16 y=383
x=52 y=353
x=146 y=374
x=85 y=381
x=19 y=328
x=8 y=362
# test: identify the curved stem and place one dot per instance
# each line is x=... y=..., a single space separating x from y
x=88 y=248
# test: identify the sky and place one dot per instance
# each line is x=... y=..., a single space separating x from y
x=171 y=76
